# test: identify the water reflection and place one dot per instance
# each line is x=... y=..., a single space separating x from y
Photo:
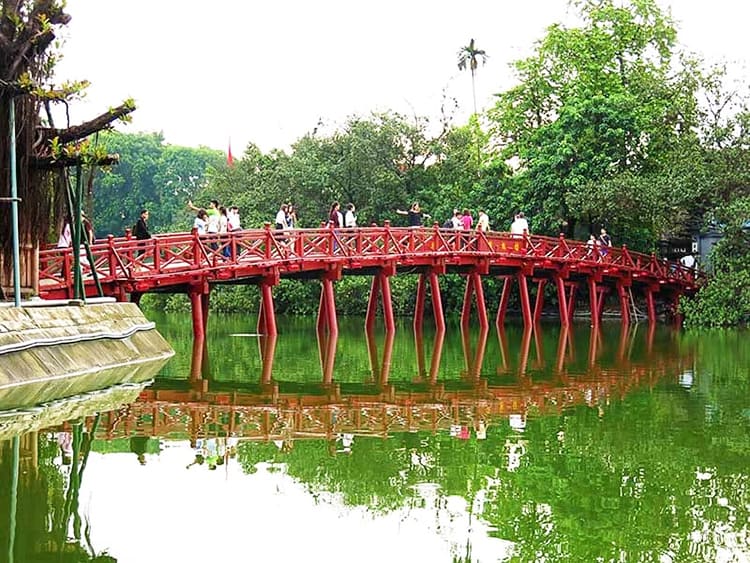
x=555 y=445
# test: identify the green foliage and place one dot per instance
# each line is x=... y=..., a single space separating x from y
x=150 y=175
x=595 y=102
x=725 y=299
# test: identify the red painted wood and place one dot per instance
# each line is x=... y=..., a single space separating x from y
x=594 y=302
x=562 y=302
x=419 y=305
x=523 y=287
x=437 y=302
x=503 y=307
x=539 y=303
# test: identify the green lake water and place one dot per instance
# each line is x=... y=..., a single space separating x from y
x=620 y=445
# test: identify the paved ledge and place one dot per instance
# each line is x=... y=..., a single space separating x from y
x=52 y=352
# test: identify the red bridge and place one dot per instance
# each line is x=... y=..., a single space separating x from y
x=185 y=262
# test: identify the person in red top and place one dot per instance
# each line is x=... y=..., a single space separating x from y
x=467 y=220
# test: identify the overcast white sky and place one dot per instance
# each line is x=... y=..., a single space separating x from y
x=267 y=71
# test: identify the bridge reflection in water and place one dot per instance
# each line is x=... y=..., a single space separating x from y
x=200 y=407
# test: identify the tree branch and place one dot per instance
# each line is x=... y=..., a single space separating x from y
x=50 y=163
x=83 y=130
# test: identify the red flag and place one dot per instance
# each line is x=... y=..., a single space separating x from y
x=230 y=158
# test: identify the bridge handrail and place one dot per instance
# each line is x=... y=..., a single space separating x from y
x=122 y=258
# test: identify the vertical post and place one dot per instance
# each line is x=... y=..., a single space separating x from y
x=562 y=304
x=419 y=306
x=624 y=303
x=481 y=304
x=539 y=303
x=372 y=303
x=437 y=302
x=333 y=325
x=650 y=307
x=196 y=306
x=437 y=352
x=466 y=307
x=572 y=301
x=14 y=202
x=503 y=307
x=385 y=291
x=525 y=303
x=593 y=302
x=269 y=316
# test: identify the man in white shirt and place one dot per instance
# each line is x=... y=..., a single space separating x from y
x=520 y=225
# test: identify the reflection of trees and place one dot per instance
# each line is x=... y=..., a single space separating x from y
x=626 y=483
x=48 y=525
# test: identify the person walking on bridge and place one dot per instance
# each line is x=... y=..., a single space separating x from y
x=350 y=219
x=140 y=230
x=414 y=214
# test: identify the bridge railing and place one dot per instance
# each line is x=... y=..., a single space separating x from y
x=126 y=258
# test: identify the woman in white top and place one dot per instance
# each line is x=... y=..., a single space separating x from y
x=350 y=219
x=201 y=222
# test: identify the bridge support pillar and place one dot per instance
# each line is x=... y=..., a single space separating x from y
x=327 y=319
x=650 y=306
x=594 y=302
x=528 y=320
x=381 y=288
x=266 y=313
x=503 y=306
x=622 y=293
x=437 y=302
x=562 y=301
x=572 y=300
x=474 y=288
x=539 y=302
x=196 y=307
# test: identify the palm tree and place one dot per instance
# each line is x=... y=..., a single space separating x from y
x=469 y=57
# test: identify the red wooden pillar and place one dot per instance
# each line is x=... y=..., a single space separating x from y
x=372 y=304
x=385 y=292
x=266 y=313
x=622 y=293
x=466 y=307
x=650 y=307
x=528 y=320
x=474 y=288
x=328 y=300
x=267 y=346
x=572 y=301
x=385 y=366
x=523 y=359
x=196 y=306
x=419 y=306
x=381 y=288
x=503 y=307
x=205 y=302
x=593 y=302
x=539 y=303
x=437 y=302
x=562 y=301
x=437 y=352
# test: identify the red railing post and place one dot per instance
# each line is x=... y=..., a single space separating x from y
x=196 y=247
x=387 y=236
x=157 y=255
x=269 y=240
x=111 y=256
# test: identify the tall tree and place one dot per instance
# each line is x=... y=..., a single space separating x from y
x=28 y=29
x=612 y=97
x=469 y=57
